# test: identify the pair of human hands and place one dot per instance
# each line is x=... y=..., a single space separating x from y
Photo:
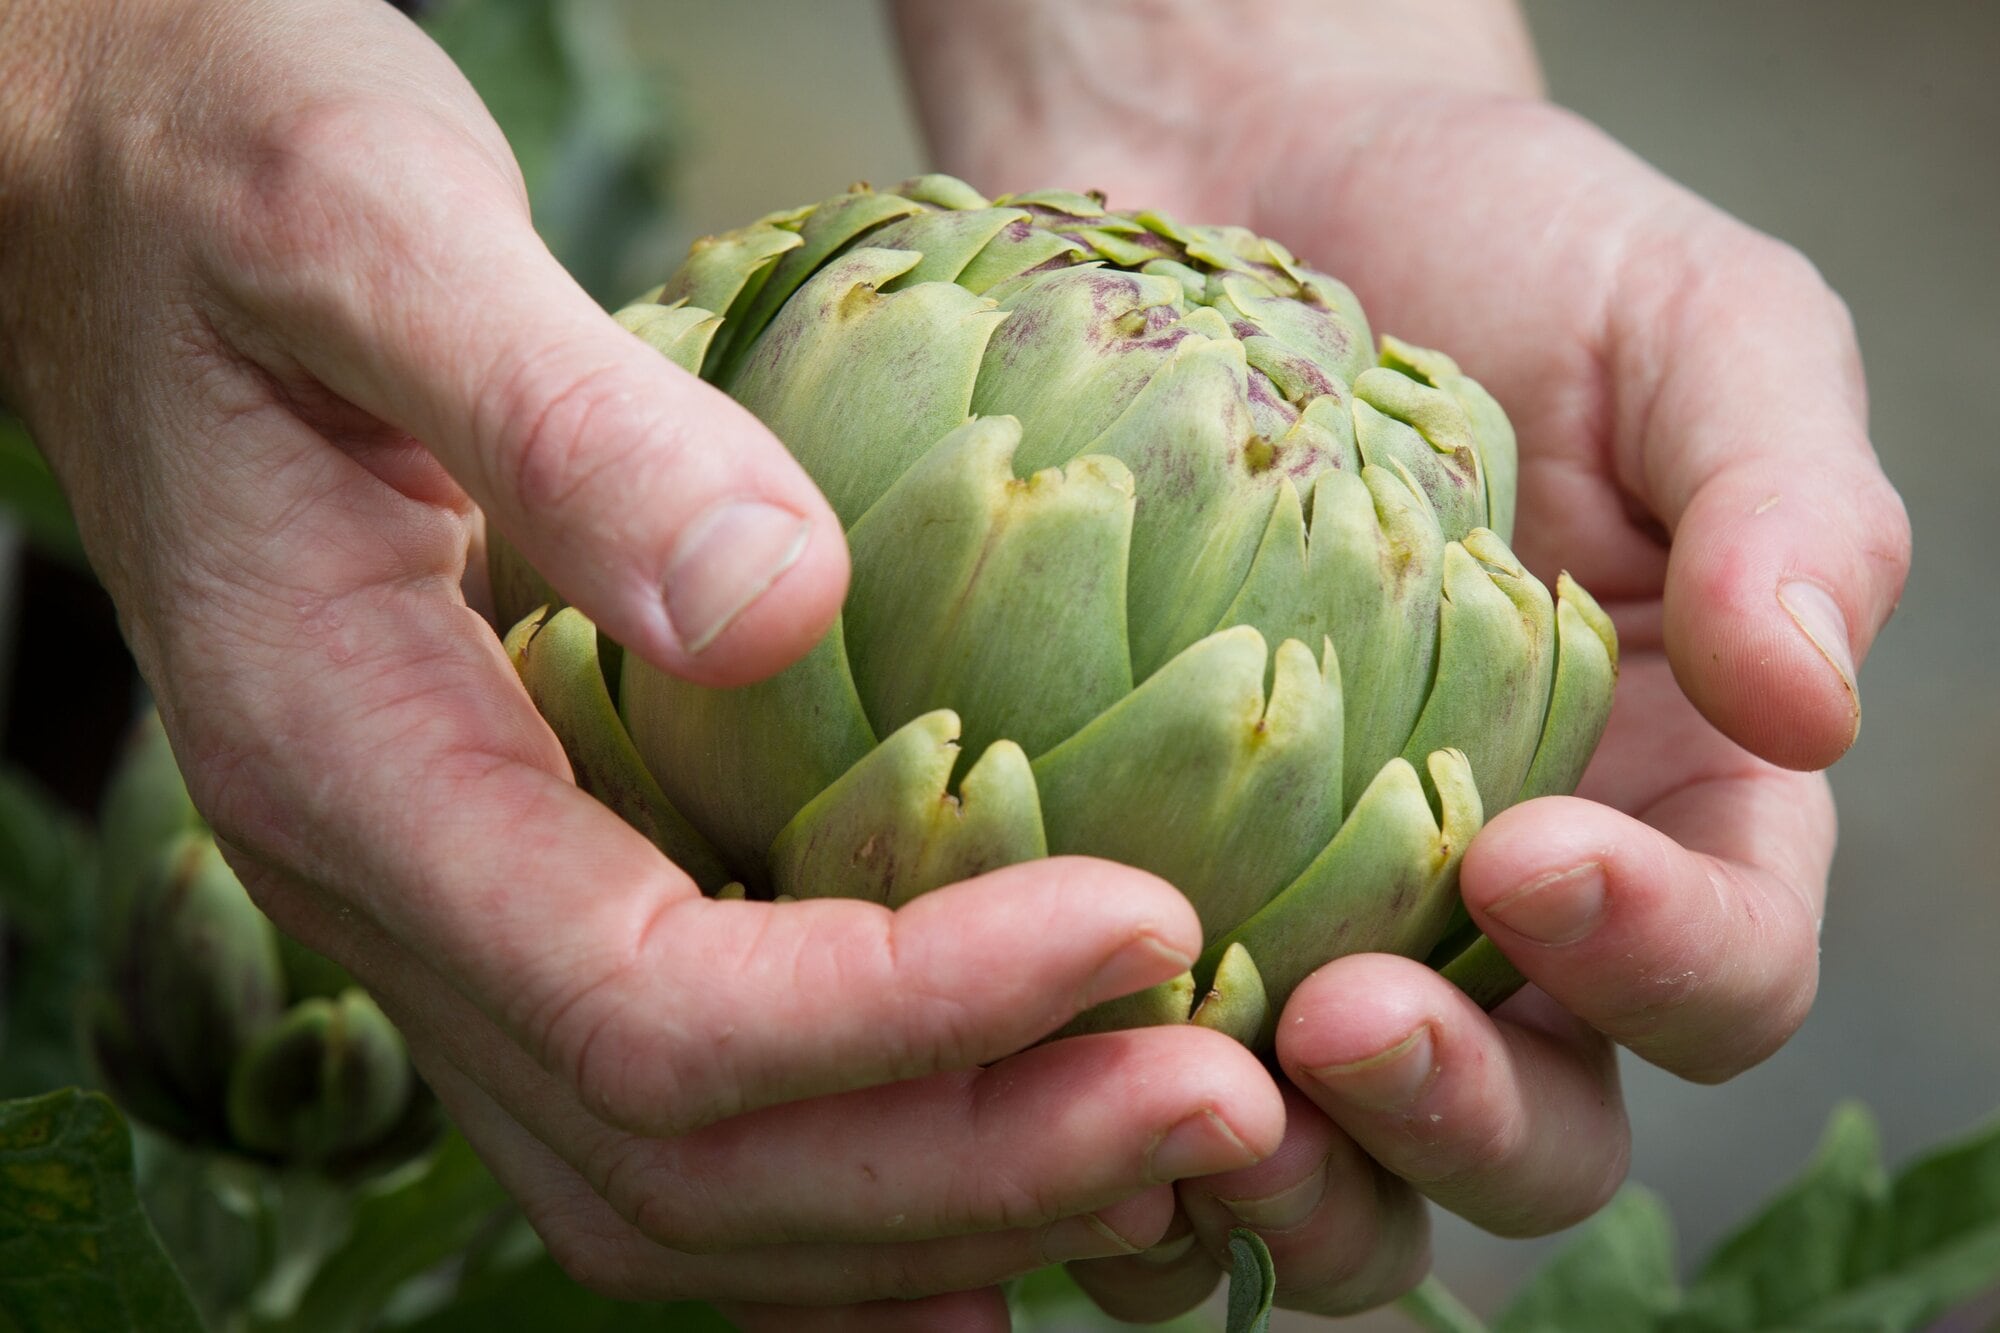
x=277 y=315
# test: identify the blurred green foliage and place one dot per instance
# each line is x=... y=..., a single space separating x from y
x=590 y=126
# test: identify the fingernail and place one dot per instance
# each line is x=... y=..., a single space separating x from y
x=726 y=559
x=1146 y=961
x=1390 y=1079
x=1287 y=1208
x=1556 y=909
x=1815 y=612
x=1082 y=1237
x=1200 y=1145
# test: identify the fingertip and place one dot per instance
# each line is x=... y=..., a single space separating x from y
x=1551 y=835
x=1774 y=592
x=1770 y=665
x=1142 y=929
x=750 y=587
x=1375 y=1014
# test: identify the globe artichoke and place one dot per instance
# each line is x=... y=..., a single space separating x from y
x=214 y=1027
x=1145 y=528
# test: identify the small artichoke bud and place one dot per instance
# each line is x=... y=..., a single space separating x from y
x=211 y=1025
x=329 y=1078
x=145 y=807
x=201 y=975
x=128 y=1071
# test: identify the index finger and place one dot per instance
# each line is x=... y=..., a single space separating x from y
x=1790 y=547
x=379 y=743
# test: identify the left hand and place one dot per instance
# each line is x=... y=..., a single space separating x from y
x=1694 y=449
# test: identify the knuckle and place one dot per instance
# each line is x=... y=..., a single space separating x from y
x=1462 y=1158
x=1375 y=1255
x=906 y=1273
x=313 y=173
x=554 y=441
x=642 y=1181
x=596 y=1262
x=627 y=1065
x=1011 y=1203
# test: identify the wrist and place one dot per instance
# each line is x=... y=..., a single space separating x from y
x=1017 y=94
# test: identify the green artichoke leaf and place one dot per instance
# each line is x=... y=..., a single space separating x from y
x=556 y=656
x=517 y=586
x=1386 y=883
x=941 y=191
x=1127 y=249
x=680 y=333
x=1194 y=283
x=1321 y=439
x=1580 y=702
x=1068 y=210
x=1019 y=249
x=947 y=241
x=329 y=1077
x=1239 y=250
x=842 y=348
x=740 y=763
x=1483 y=973
x=889 y=828
x=723 y=273
x=824 y=233
x=201 y=976
x=1399 y=419
x=1492 y=433
x=1237 y=1004
x=1496 y=662
x=1369 y=577
x=1159 y=1006
x=1077 y=346
x=1001 y=598
x=1330 y=294
x=1205 y=496
x=1318 y=335
x=1195 y=777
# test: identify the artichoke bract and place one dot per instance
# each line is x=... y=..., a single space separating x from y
x=1156 y=557
x=214 y=1027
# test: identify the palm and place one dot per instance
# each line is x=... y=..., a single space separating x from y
x=1560 y=271
x=1691 y=424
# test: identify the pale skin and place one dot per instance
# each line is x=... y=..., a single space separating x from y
x=276 y=313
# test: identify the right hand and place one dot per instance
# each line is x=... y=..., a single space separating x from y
x=253 y=256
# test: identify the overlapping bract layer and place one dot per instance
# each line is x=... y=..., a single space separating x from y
x=1141 y=521
x=214 y=1027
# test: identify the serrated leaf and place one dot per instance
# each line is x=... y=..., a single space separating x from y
x=1617 y=1276
x=1800 y=1248
x=1935 y=1243
x=583 y=117
x=76 y=1250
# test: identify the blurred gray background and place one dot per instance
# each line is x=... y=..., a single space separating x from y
x=1869 y=136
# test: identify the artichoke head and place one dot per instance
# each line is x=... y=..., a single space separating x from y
x=214 y=1027
x=1157 y=556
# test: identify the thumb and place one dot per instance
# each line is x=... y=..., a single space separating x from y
x=657 y=505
